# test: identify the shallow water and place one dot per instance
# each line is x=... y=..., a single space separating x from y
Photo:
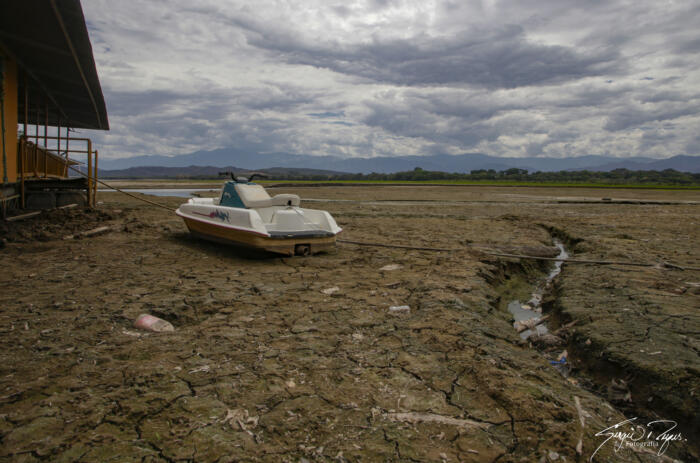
x=532 y=309
x=179 y=192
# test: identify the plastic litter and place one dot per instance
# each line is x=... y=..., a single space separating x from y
x=618 y=390
x=390 y=267
x=561 y=364
x=399 y=309
x=529 y=324
x=150 y=323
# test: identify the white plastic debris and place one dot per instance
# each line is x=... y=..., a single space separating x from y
x=399 y=309
x=131 y=333
x=202 y=369
x=390 y=267
x=329 y=291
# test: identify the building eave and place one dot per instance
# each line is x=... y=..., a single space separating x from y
x=49 y=41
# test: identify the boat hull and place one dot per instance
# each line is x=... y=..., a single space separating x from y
x=281 y=244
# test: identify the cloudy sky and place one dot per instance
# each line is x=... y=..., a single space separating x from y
x=398 y=77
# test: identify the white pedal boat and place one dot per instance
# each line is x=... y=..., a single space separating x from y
x=245 y=215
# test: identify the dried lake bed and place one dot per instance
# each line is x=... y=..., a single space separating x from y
x=267 y=364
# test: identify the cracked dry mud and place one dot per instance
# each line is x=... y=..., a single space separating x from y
x=265 y=366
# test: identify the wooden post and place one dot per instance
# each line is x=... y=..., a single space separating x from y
x=46 y=125
x=26 y=104
x=36 y=143
x=94 y=191
x=58 y=143
x=23 y=146
x=67 y=147
x=46 y=140
x=36 y=126
x=35 y=163
x=89 y=172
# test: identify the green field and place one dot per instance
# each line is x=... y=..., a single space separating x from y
x=645 y=186
x=174 y=182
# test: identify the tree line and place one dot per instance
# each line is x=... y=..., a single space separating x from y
x=613 y=177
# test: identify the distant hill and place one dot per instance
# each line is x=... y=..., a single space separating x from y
x=441 y=162
x=679 y=163
x=207 y=172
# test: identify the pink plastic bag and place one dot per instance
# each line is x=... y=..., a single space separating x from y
x=151 y=323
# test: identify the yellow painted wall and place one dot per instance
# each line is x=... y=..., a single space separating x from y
x=10 y=106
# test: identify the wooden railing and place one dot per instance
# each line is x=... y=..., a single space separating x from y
x=37 y=162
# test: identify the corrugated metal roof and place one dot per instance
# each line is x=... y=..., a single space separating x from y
x=50 y=42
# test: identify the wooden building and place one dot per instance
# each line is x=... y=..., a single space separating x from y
x=48 y=88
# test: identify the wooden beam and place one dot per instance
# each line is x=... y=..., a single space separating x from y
x=77 y=61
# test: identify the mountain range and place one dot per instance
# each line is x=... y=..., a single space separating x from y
x=440 y=162
x=210 y=172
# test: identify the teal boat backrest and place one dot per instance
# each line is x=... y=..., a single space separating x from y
x=229 y=196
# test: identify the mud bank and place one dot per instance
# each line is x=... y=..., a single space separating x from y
x=265 y=366
x=612 y=362
x=636 y=338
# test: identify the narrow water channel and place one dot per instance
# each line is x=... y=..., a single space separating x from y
x=523 y=311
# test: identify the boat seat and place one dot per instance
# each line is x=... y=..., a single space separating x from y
x=253 y=196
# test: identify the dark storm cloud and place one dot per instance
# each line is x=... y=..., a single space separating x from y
x=653 y=138
x=591 y=95
x=691 y=46
x=693 y=146
x=210 y=116
x=209 y=103
x=414 y=115
x=389 y=77
x=635 y=116
x=122 y=103
x=492 y=58
x=328 y=114
x=468 y=106
x=284 y=97
x=666 y=96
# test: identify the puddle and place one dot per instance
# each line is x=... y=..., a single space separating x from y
x=533 y=307
x=179 y=192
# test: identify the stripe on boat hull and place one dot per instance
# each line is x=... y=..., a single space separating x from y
x=276 y=245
